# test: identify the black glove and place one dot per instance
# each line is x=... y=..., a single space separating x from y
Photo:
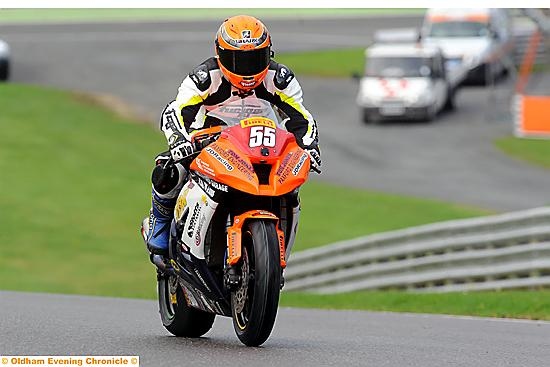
x=315 y=158
x=180 y=147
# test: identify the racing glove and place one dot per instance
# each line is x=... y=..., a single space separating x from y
x=180 y=147
x=315 y=158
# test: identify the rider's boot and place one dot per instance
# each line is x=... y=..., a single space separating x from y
x=160 y=218
x=167 y=182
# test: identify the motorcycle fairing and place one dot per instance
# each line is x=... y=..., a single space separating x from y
x=200 y=209
x=258 y=170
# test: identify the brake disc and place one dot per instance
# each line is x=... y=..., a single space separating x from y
x=240 y=295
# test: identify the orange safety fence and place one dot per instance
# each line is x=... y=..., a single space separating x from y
x=532 y=117
x=528 y=61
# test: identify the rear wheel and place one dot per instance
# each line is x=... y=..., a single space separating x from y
x=178 y=318
x=254 y=305
x=450 y=102
x=4 y=70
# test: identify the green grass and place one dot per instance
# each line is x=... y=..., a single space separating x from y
x=76 y=184
x=325 y=63
x=92 y=15
x=535 y=151
x=513 y=304
x=331 y=213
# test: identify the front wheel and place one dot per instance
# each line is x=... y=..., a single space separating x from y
x=254 y=305
x=178 y=318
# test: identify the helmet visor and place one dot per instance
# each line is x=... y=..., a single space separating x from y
x=245 y=63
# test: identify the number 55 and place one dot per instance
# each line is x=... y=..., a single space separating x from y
x=260 y=135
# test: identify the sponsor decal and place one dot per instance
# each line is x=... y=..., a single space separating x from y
x=247 y=41
x=258 y=121
x=193 y=221
x=211 y=186
x=263 y=212
x=202 y=183
x=233 y=244
x=219 y=158
x=292 y=162
x=199 y=229
x=300 y=164
x=284 y=164
x=242 y=111
x=205 y=167
x=243 y=166
x=202 y=75
x=170 y=120
x=247 y=84
x=181 y=203
x=198 y=274
x=244 y=40
x=218 y=186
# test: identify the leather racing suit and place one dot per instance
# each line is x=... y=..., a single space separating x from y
x=204 y=89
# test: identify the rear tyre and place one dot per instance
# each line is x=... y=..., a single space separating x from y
x=450 y=102
x=254 y=305
x=178 y=318
x=4 y=70
x=366 y=117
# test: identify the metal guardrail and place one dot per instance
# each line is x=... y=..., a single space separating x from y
x=522 y=32
x=503 y=251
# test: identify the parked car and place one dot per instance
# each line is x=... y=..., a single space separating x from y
x=478 y=39
x=405 y=81
x=4 y=61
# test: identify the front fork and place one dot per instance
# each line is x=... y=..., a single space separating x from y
x=234 y=244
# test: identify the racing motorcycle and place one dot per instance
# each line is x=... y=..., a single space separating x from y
x=234 y=225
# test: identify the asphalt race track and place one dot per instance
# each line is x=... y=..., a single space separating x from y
x=452 y=159
x=41 y=324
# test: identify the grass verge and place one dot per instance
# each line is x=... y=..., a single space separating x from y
x=75 y=186
x=331 y=213
x=535 y=151
x=513 y=304
x=325 y=63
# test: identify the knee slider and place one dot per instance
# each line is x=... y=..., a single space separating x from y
x=165 y=179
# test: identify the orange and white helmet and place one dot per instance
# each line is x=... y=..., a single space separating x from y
x=243 y=47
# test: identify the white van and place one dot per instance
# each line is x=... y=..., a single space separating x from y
x=479 y=39
x=404 y=81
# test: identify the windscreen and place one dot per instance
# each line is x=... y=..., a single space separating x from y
x=398 y=67
x=458 y=29
x=233 y=112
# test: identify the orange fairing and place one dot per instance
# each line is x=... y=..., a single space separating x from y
x=275 y=165
x=234 y=235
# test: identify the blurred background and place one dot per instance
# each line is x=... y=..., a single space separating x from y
x=425 y=115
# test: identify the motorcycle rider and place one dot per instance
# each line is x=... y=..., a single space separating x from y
x=242 y=67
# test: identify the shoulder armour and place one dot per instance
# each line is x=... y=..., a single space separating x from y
x=201 y=74
x=283 y=75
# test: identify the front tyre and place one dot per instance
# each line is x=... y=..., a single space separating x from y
x=178 y=318
x=254 y=305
